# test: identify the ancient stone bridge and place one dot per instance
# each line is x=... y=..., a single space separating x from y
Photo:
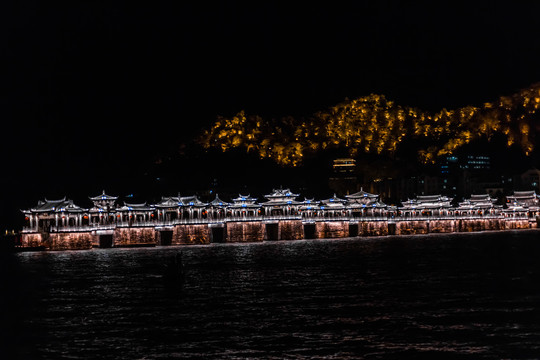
x=257 y=230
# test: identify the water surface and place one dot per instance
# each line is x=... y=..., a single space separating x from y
x=471 y=296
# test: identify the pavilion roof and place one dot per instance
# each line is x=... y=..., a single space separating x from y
x=523 y=195
x=361 y=195
x=281 y=193
x=103 y=196
x=309 y=204
x=333 y=200
x=433 y=198
x=333 y=203
x=379 y=204
x=169 y=202
x=480 y=201
x=135 y=207
x=243 y=205
x=60 y=205
x=191 y=201
x=516 y=208
x=478 y=197
x=281 y=202
x=427 y=202
x=218 y=202
x=244 y=198
x=372 y=204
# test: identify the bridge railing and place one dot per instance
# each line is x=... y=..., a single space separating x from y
x=306 y=219
x=449 y=217
x=90 y=227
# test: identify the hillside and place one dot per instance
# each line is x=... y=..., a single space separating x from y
x=376 y=125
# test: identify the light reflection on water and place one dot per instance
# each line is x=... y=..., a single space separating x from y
x=460 y=296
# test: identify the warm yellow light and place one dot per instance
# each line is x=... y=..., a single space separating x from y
x=375 y=124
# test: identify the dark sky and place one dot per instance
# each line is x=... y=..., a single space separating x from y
x=92 y=89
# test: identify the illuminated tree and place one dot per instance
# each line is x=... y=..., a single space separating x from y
x=373 y=124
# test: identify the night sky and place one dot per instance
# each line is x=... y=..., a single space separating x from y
x=94 y=92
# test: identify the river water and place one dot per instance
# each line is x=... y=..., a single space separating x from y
x=456 y=296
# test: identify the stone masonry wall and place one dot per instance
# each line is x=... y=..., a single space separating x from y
x=248 y=231
x=291 y=230
x=372 y=228
x=134 y=236
x=441 y=226
x=32 y=240
x=255 y=231
x=517 y=224
x=70 y=241
x=411 y=227
x=331 y=229
x=191 y=234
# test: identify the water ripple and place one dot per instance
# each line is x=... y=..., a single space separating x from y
x=445 y=296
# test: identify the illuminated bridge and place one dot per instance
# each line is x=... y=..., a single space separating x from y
x=61 y=224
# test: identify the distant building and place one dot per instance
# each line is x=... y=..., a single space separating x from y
x=343 y=179
x=452 y=164
x=344 y=166
x=476 y=163
x=465 y=174
x=449 y=165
